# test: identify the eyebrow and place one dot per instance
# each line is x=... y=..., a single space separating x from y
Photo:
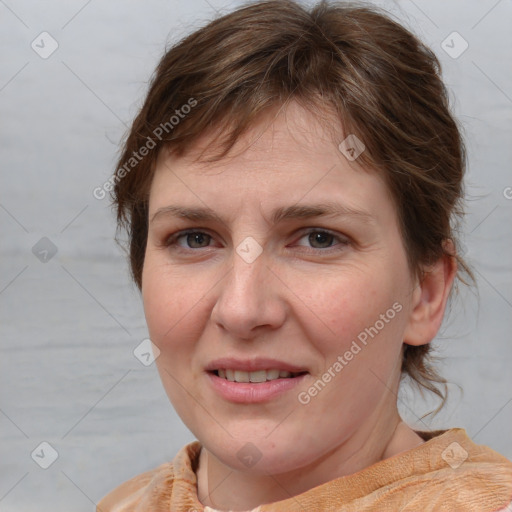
x=204 y=214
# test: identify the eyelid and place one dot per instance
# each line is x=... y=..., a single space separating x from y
x=342 y=240
x=339 y=236
x=172 y=239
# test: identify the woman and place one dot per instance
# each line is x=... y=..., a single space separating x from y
x=289 y=187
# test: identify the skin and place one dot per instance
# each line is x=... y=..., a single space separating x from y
x=303 y=300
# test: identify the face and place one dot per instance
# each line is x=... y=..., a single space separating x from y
x=297 y=281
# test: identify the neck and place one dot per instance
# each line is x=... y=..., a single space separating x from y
x=381 y=437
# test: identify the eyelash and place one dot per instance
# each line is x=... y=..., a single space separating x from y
x=172 y=241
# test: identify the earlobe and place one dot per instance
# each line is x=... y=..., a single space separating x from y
x=429 y=299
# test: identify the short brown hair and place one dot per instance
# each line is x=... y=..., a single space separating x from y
x=381 y=82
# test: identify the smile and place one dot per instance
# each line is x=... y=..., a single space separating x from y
x=255 y=376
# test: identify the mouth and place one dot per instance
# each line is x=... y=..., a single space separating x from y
x=255 y=377
x=252 y=381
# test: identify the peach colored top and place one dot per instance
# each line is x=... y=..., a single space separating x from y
x=446 y=473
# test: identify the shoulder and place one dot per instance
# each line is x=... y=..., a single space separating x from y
x=159 y=489
x=128 y=496
x=458 y=474
x=473 y=487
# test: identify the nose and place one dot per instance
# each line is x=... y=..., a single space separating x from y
x=251 y=299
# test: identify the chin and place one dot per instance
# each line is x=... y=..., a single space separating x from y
x=258 y=455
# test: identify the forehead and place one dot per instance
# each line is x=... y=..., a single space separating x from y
x=288 y=158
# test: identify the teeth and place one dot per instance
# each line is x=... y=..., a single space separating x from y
x=258 y=376
x=241 y=376
x=272 y=374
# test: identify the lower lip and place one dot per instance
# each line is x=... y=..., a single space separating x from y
x=252 y=392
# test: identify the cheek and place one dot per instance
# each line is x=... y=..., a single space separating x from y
x=170 y=309
x=169 y=302
x=357 y=330
x=341 y=308
x=360 y=352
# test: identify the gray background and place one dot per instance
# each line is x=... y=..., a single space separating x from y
x=69 y=325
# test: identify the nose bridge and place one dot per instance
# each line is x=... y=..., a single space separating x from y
x=248 y=297
x=248 y=259
x=243 y=291
x=244 y=278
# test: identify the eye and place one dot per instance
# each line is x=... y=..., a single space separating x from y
x=319 y=240
x=193 y=239
x=322 y=239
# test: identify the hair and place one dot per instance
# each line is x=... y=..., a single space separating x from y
x=375 y=76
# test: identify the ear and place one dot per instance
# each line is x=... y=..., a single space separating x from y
x=430 y=297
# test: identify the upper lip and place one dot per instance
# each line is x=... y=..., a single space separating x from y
x=253 y=365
